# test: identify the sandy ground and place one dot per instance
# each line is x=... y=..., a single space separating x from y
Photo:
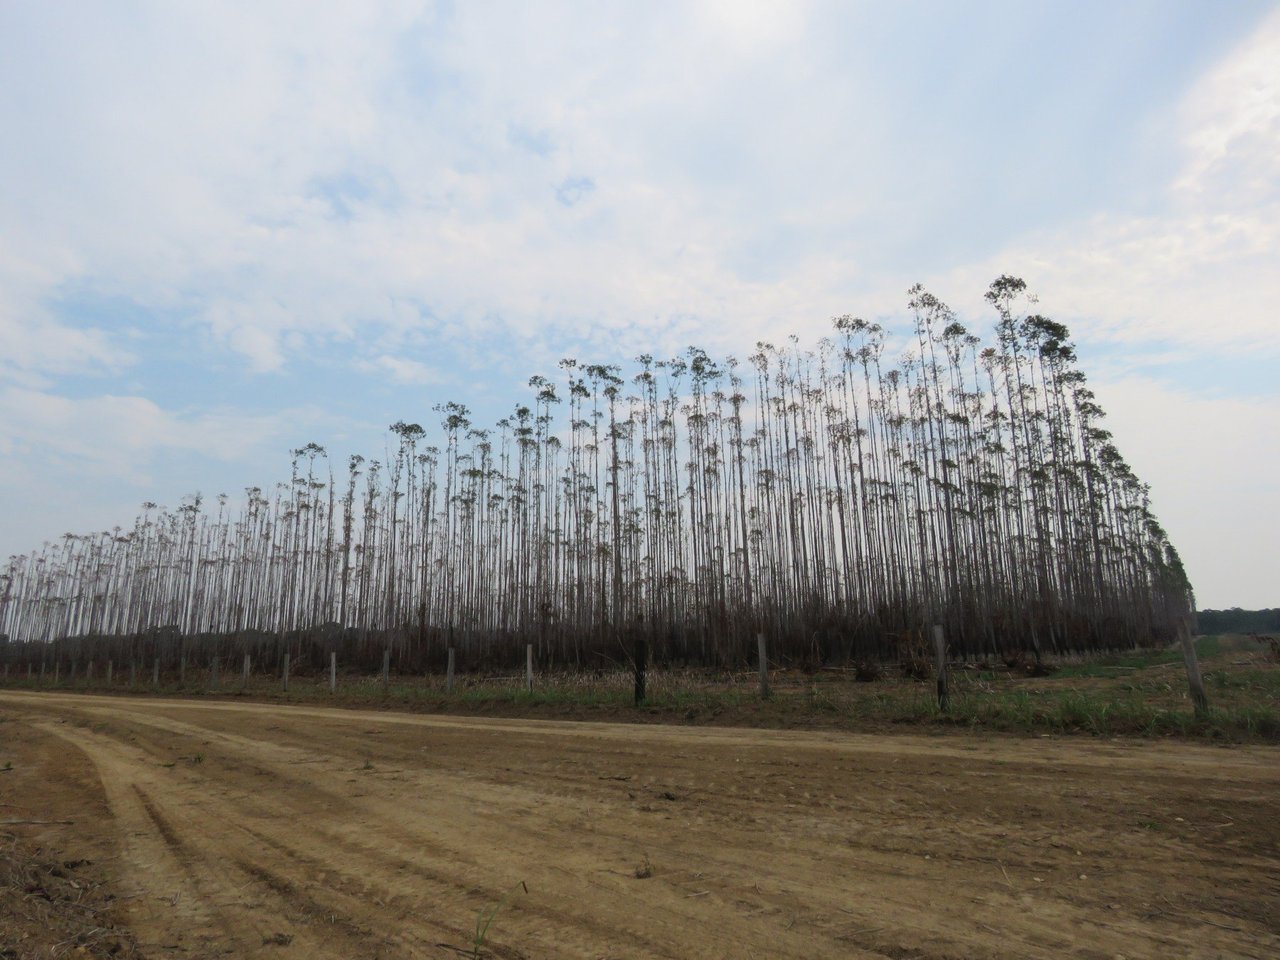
x=259 y=830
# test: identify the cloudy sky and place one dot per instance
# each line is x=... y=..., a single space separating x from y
x=227 y=230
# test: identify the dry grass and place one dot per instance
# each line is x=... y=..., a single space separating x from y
x=1137 y=693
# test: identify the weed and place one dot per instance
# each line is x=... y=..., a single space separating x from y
x=1209 y=646
x=645 y=870
x=483 y=922
x=916 y=668
x=198 y=758
x=867 y=671
x=8 y=765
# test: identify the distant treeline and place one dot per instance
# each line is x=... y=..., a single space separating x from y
x=1236 y=620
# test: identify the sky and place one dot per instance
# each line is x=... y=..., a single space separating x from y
x=227 y=230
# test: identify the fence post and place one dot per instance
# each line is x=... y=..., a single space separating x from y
x=110 y=670
x=285 y=671
x=528 y=667
x=133 y=674
x=1192 y=662
x=333 y=672
x=763 y=654
x=448 y=677
x=182 y=670
x=42 y=671
x=940 y=666
x=57 y=672
x=386 y=670
x=88 y=674
x=214 y=679
x=155 y=672
x=244 y=682
x=642 y=664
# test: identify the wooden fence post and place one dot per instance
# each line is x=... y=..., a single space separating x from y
x=133 y=674
x=763 y=655
x=213 y=674
x=386 y=670
x=448 y=677
x=940 y=666
x=285 y=671
x=182 y=669
x=333 y=672
x=528 y=667
x=57 y=671
x=244 y=682
x=155 y=672
x=1194 y=680
x=88 y=674
x=110 y=671
x=642 y=666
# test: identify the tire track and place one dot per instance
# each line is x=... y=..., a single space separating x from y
x=363 y=834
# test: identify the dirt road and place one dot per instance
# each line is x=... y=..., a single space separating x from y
x=259 y=830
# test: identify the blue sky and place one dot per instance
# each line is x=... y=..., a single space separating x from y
x=226 y=232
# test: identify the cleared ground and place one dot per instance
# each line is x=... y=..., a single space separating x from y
x=251 y=829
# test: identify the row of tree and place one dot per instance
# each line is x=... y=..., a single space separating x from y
x=835 y=498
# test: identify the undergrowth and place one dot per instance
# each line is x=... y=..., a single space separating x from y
x=1140 y=693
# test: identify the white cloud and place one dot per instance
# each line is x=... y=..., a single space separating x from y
x=120 y=435
x=33 y=344
x=403 y=370
x=1205 y=272
x=148 y=176
x=1215 y=467
x=252 y=329
x=183 y=159
x=1233 y=122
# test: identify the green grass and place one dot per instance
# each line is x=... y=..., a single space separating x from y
x=1122 y=664
x=1262 y=682
x=1135 y=693
x=483 y=922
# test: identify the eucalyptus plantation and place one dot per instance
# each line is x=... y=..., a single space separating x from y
x=829 y=497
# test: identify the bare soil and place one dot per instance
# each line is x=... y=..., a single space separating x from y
x=58 y=870
x=268 y=830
